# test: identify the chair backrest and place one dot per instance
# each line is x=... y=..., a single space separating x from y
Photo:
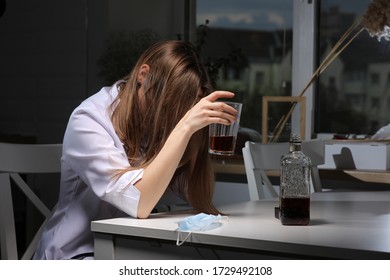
x=16 y=159
x=259 y=158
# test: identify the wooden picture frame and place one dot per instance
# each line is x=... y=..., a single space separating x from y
x=286 y=99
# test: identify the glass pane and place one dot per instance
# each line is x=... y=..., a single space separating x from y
x=247 y=46
x=354 y=91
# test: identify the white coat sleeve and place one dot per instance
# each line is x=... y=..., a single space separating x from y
x=94 y=153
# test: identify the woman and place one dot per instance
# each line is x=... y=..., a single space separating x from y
x=124 y=146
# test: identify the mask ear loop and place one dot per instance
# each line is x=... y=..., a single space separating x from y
x=178 y=242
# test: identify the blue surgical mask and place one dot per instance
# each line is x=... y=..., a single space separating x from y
x=199 y=222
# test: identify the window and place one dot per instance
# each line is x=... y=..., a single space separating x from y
x=355 y=102
x=250 y=43
x=256 y=38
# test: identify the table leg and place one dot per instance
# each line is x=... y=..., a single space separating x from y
x=104 y=246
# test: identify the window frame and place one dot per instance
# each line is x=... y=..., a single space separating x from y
x=304 y=58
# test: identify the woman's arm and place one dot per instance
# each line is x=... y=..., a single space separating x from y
x=158 y=174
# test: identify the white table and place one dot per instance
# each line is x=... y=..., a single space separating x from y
x=350 y=225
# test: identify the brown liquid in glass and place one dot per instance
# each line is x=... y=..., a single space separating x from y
x=221 y=143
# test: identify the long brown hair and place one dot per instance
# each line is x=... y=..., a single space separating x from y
x=176 y=81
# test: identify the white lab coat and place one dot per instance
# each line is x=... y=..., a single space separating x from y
x=92 y=152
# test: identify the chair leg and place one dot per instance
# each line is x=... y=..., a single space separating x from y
x=252 y=177
x=7 y=221
x=315 y=176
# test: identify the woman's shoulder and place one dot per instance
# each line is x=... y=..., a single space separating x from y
x=93 y=117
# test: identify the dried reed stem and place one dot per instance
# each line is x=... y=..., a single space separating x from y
x=332 y=55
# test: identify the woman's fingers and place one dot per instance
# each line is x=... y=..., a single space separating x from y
x=221 y=110
x=219 y=107
x=219 y=94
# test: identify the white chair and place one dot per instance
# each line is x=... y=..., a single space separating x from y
x=16 y=159
x=260 y=158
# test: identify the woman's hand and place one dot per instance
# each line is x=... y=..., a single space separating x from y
x=208 y=110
